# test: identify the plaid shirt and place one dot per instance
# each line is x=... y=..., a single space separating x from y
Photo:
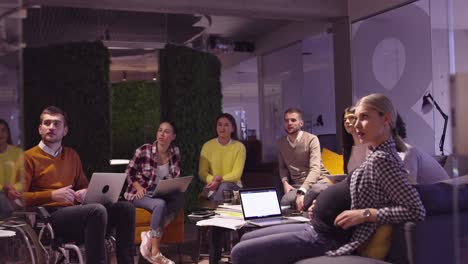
x=142 y=167
x=381 y=182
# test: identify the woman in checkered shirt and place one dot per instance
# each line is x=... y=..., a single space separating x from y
x=150 y=164
x=378 y=193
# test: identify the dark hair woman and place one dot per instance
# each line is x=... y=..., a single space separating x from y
x=150 y=164
x=354 y=153
x=222 y=159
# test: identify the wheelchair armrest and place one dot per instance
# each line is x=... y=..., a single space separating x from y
x=43 y=214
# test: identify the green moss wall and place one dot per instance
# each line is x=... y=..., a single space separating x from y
x=73 y=77
x=191 y=97
x=134 y=117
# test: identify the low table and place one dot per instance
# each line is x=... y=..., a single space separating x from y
x=214 y=233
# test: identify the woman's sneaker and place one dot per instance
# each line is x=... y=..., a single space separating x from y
x=145 y=245
x=160 y=259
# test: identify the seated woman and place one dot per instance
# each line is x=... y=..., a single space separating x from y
x=9 y=156
x=421 y=167
x=379 y=193
x=150 y=164
x=222 y=159
x=354 y=153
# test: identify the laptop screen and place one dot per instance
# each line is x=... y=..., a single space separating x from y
x=259 y=203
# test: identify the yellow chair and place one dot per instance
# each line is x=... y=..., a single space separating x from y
x=173 y=232
x=332 y=161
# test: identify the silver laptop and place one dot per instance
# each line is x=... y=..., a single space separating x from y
x=168 y=186
x=261 y=207
x=104 y=188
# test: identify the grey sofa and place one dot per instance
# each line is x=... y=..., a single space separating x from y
x=429 y=241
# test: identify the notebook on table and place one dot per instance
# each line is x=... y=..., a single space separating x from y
x=104 y=188
x=168 y=186
x=261 y=207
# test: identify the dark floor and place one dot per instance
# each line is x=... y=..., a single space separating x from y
x=188 y=249
x=13 y=250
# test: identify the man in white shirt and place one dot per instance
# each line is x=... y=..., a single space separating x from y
x=300 y=163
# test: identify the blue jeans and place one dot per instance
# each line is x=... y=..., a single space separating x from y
x=6 y=208
x=311 y=194
x=90 y=222
x=217 y=196
x=280 y=244
x=164 y=209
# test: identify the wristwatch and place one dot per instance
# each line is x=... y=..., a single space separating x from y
x=366 y=213
x=300 y=192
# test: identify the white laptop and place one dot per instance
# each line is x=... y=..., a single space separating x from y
x=261 y=207
x=104 y=188
x=168 y=186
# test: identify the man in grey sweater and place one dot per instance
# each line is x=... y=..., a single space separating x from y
x=300 y=162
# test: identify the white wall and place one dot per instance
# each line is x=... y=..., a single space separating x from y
x=240 y=93
x=283 y=80
x=318 y=96
x=392 y=54
x=287 y=64
x=440 y=70
x=249 y=105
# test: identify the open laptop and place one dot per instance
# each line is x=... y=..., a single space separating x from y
x=168 y=186
x=261 y=207
x=104 y=187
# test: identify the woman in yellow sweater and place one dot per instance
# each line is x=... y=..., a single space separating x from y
x=222 y=159
x=9 y=155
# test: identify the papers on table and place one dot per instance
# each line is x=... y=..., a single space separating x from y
x=231 y=217
x=229 y=214
x=231 y=207
x=230 y=211
x=233 y=224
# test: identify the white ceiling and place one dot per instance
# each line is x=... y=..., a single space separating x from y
x=271 y=24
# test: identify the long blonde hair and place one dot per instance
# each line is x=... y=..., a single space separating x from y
x=383 y=105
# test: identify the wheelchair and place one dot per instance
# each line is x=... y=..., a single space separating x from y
x=52 y=249
x=19 y=243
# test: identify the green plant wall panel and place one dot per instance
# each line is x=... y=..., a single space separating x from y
x=191 y=97
x=134 y=116
x=74 y=77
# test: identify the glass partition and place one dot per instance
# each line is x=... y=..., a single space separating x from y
x=14 y=246
x=11 y=43
x=240 y=97
x=283 y=81
x=392 y=54
x=413 y=54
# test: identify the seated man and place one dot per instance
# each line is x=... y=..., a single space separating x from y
x=300 y=161
x=54 y=178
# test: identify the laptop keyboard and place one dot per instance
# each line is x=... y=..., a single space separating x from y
x=273 y=221
x=266 y=220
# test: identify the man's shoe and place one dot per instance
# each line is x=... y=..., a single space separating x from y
x=145 y=245
x=160 y=259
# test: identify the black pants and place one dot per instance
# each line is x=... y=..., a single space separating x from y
x=89 y=224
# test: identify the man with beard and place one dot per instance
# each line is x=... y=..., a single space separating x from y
x=300 y=163
x=54 y=178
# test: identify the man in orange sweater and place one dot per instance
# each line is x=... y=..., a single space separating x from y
x=54 y=178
